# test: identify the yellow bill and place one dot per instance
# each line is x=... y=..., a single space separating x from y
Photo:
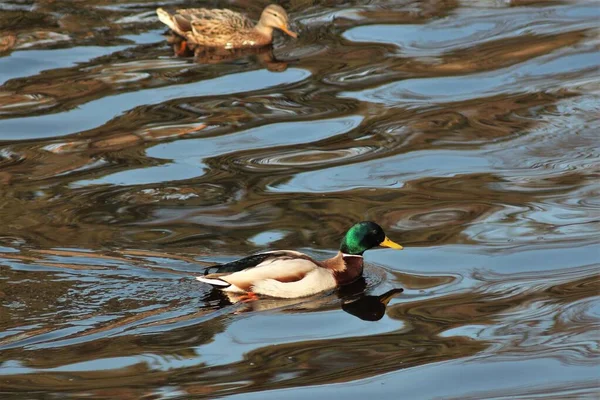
x=392 y=245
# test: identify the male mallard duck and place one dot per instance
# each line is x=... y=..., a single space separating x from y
x=225 y=28
x=290 y=274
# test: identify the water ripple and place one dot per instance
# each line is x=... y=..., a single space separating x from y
x=468 y=130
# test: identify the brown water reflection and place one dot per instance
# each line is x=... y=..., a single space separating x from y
x=468 y=130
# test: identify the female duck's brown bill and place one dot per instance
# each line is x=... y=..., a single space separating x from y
x=286 y=29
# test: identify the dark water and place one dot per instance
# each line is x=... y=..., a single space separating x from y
x=469 y=130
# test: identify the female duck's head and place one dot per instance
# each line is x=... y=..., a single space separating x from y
x=364 y=236
x=274 y=16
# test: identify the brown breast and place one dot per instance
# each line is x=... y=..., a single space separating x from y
x=352 y=271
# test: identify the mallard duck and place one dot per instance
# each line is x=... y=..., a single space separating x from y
x=290 y=274
x=225 y=28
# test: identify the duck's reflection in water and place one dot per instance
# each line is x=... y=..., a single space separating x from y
x=362 y=305
x=215 y=55
x=368 y=307
x=353 y=298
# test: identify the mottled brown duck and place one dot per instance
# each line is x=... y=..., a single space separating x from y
x=225 y=28
x=290 y=274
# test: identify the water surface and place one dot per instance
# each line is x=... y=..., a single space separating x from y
x=468 y=130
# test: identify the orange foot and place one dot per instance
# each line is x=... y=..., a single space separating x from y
x=182 y=48
x=248 y=297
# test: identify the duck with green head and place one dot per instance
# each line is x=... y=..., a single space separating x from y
x=290 y=274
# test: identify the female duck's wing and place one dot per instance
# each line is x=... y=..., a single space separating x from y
x=205 y=22
x=214 y=23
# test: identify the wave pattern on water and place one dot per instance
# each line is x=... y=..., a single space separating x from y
x=468 y=130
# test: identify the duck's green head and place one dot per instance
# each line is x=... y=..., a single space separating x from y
x=364 y=236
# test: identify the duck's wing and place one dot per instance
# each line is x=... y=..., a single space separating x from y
x=213 y=23
x=282 y=266
x=205 y=22
x=257 y=260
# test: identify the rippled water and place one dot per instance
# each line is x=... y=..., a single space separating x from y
x=469 y=130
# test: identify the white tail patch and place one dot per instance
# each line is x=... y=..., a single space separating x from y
x=214 y=281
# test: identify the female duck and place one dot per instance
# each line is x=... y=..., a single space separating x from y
x=226 y=28
x=290 y=274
